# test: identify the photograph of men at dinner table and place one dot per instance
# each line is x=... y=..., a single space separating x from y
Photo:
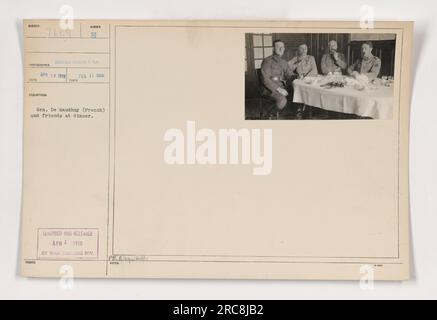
x=320 y=76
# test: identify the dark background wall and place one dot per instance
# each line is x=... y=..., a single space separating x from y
x=259 y=46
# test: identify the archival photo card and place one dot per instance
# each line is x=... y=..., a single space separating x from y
x=149 y=150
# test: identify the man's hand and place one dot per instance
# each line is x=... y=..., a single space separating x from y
x=282 y=91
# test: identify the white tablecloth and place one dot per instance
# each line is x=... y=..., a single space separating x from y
x=375 y=102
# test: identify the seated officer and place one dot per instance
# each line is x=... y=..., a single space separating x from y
x=333 y=61
x=368 y=65
x=303 y=64
x=274 y=73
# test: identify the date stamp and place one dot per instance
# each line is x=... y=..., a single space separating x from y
x=68 y=243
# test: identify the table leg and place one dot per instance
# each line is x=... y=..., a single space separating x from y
x=300 y=111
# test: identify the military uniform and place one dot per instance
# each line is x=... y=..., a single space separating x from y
x=329 y=64
x=274 y=73
x=369 y=66
x=304 y=67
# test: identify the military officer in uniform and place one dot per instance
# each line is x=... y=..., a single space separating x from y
x=303 y=64
x=368 y=64
x=333 y=61
x=274 y=74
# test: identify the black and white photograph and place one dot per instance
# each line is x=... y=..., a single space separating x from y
x=319 y=76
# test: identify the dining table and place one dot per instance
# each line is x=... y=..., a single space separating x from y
x=344 y=94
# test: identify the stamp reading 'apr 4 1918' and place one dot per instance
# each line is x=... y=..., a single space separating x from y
x=71 y=243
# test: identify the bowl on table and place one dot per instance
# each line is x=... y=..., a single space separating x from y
x=359 y=86
x=309 y=80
